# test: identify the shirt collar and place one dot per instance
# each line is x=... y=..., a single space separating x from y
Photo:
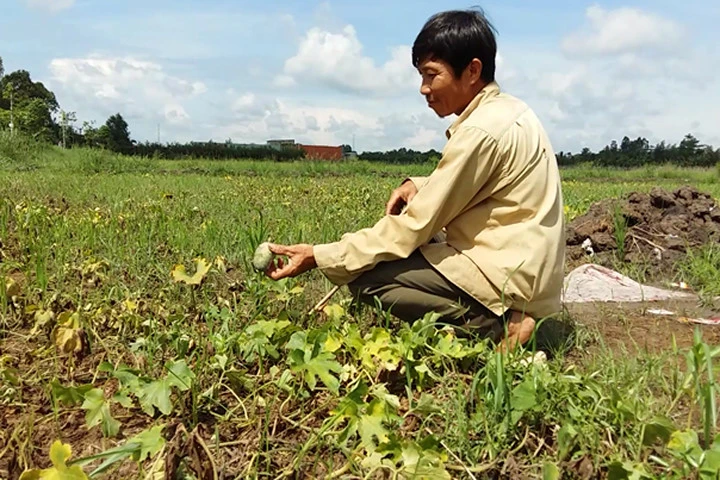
x=490 y=90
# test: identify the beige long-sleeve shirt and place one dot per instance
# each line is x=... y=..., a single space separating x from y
x=496 y=192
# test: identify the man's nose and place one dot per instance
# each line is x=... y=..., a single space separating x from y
x=424 y=89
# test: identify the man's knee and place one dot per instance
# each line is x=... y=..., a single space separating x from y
x=360 y=289
x=356 y=288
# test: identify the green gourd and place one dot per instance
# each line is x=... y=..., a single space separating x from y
x=263 y=257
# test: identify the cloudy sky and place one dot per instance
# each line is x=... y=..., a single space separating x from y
x=335 y=72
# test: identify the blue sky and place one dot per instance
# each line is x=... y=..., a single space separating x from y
x=333 y=71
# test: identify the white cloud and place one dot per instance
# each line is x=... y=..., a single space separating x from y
x=337 y=60
x=256 y=118
x=601 y=82
x=621 y=76
x=137 y=88
x=51 y=5
x=622 y=30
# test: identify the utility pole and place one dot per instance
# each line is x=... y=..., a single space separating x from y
x=12 y=118
x=158 y=125
x=63 y=117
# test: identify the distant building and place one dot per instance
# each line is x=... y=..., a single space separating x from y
x=322 y=152
x=314 y=152
x=281 y=143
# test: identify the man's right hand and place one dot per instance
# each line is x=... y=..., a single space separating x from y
x=400 y=197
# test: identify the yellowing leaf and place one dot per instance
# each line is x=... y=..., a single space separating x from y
x=69 y=319
x=334 y=311
x=69 y=340
x=42 y=319
x=202 y=268
x=12 y=288
x=130 y=305
x=59 y=455
x=220 y=264
x=333 y=342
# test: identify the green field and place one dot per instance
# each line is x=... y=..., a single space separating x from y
x=224 y=374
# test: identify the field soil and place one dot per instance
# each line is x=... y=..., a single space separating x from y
x=656 y=230
x=660 y=226
x=633 y=328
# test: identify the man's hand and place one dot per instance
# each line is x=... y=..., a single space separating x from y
x=300 y=259
x=400 y=197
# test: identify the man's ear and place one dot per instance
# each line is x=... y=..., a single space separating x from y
x=474 y=70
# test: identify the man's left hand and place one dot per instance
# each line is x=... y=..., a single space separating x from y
x=300 y=259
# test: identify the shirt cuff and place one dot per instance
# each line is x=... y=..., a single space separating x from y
x=329 y=259
x=418 y=181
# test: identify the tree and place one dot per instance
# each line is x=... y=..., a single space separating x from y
x=66 y=123
x=689 y=145
x=30 y=106
x=24 y=90
x=115 y=134
x=2 y=69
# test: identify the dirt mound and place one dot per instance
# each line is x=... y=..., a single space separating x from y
x=654 y=229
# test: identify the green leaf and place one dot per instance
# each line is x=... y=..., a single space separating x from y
x=144 y=444
x=180 y=375
x=566 y=439
x=59 y=454
x=98 y=411
x=659 y=428
x=127 y=377
x=370 y=425
x=684 y=442
x=711 y=465
x=550 y=471
x=319 y=366
x=423 y=463
x=349 y=408
x=298 y=341
x=380 y=392
x=523 y=396
x=123 y=399
x=427 y=404
x=155 y=394
x=69 y=396
x=150 y=442
x=616 y=471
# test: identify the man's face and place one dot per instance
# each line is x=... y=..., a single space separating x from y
x=445 y=93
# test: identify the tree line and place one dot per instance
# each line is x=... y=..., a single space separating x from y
x=635 y=153
x=29 y=108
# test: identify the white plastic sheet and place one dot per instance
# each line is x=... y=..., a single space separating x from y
x=595 y=283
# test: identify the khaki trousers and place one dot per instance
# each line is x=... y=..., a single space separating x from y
x=411 y=288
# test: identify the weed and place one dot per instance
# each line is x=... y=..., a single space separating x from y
x=110 y=337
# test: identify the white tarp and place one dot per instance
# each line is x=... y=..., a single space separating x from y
x=594 y=283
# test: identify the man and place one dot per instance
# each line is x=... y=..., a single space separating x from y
x=481 y=240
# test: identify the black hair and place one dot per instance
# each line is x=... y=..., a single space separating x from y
x=456 y=37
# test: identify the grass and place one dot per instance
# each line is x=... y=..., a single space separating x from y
x=223 y=372
x=701 y=270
